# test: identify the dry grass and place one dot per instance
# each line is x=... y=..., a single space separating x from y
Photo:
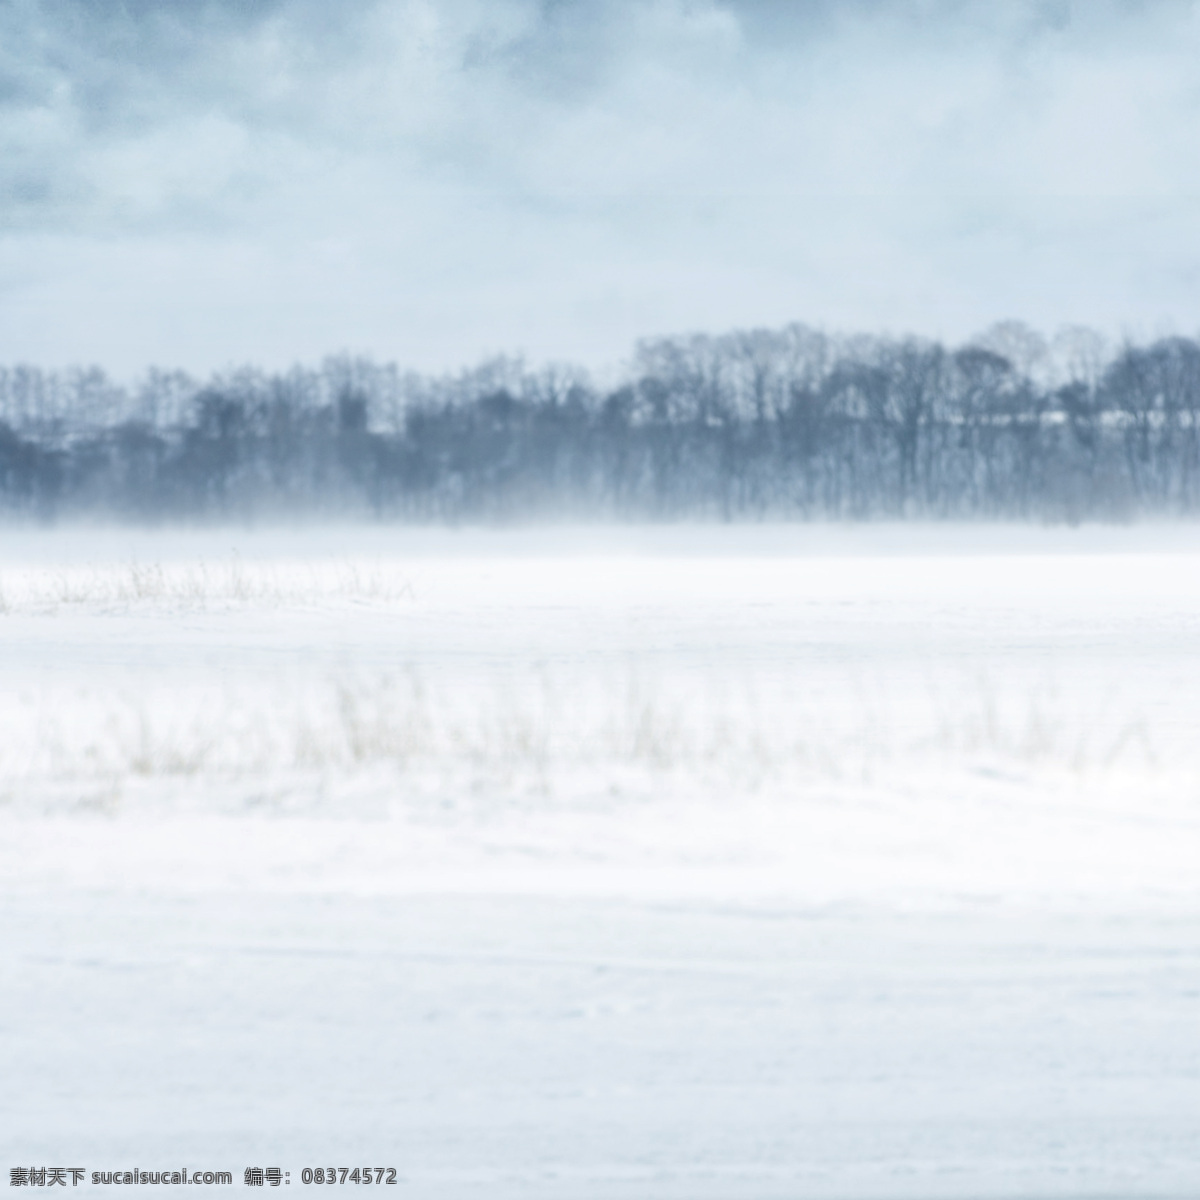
x=559 y=738
x=197 y=586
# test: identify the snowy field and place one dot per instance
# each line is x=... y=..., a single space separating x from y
x=676 y=862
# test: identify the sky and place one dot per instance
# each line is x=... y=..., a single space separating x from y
x=199 y=183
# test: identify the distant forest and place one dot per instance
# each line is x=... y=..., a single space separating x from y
x=789 y=423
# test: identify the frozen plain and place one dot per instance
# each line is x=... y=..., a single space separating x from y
x=745 y=861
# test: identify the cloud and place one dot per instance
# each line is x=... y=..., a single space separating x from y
x=272 y=179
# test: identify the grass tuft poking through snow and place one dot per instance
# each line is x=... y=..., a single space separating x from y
x=197 y=587
x=799 y=708
x=559 y=733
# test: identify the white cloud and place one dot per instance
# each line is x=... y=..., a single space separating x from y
x=273 y=179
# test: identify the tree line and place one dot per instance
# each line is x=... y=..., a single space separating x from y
x=790 y=423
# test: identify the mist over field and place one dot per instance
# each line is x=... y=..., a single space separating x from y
x=690 y=859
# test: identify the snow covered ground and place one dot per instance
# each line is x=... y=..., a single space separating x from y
x=747 y=861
